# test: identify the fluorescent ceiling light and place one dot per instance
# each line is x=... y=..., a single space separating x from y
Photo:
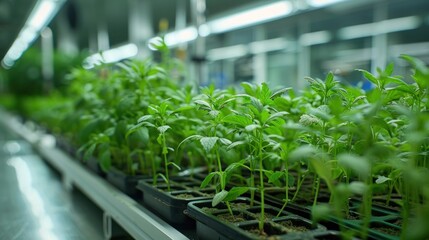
x=382 y=27
x=322 y=3
x=41 y=14
x=240 y=50
x=313 y=38
x=28 y=35
x=120 y=53
x=175 y=38
x=253 y=16
x=112 y=55
x=181 y=36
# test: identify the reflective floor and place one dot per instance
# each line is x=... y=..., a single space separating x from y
x=33 y=203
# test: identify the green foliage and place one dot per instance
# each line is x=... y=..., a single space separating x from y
x=342 y=140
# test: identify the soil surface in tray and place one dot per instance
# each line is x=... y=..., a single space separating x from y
x=236 y=218
x=292 y=227
x=185 y=196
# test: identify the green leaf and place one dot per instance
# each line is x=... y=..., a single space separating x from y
x=175 y=165
x=226 y=102
x=265 y=93
x=378 y=121
x=275 y=176
x=203 y=103
x=382 y=179
x=358 y=99
x=234 y=165
x=357 y=164
x=237 y=120
x=279 y=92
x=235 y=144
x=252 y=127
x=208 y=143
x=369 y=76
x=277 y=115
x=214 y=113
x=207 y=179
x=389 y=69
x=248 y=88
x=163 y=129
x=225 y=141
x=234 y=193
x=105 y=160
x=192 y=137
x=219 y=197
x=163 y=177
x=144 y=118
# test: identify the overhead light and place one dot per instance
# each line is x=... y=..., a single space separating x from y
x=382 y=27
x=120 y=53
x=28 y=35
x=181 y=36
x=41 y=14
x=313 y=38
x=250 y=17
x=322 y=3
x=112 y=55
x=175 y=38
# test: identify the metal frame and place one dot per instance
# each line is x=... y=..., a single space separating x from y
x=138 y=221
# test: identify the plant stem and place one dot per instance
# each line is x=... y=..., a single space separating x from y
x=252 y=186
x=317 y=187
x=286 y=193
x=261 y=185
x=298 y=187
x=129 y=161
x=164 y=150
x=221 y=181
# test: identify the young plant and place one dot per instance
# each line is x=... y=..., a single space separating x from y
x=212 y=141
x=262 y=125
x=159 y=118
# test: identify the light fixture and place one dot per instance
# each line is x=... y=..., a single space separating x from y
x=250 y=17
x=112 y=55
x=181 y=36
x=322 y=3
x=40 y=16
x=253 y=16
x=382 y=27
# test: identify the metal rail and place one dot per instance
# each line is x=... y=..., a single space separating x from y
x=138 y=221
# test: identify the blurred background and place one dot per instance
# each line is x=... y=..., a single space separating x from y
x=223 y=42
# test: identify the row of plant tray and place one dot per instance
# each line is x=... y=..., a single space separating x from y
x=183 y=203
x=186 y=205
